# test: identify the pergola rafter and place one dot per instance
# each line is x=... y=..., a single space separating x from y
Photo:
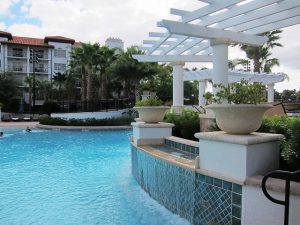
x=253 y=17
x=210 y=29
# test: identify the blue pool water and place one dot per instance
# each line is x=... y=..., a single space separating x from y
x=61 y=177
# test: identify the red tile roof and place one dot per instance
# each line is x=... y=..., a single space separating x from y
x=59 y=39
x=77 y=44
x=27 y=41
x=5 y=34
x=36 y=41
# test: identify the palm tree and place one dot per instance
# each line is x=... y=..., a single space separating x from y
x=130 y=72
x=260 y=55
x=59 y=80
x=85 y=59
x=45 y=87
x=105 y=57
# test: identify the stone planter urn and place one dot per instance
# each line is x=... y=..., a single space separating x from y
x=151 y=114
x=239 y=118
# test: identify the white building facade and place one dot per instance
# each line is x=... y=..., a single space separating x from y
x=53 y=53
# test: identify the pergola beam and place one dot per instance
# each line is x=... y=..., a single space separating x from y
x=206 y=10
x=173 y=58
x=192 y=30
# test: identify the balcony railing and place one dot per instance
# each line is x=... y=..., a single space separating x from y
x=14 y=68
x=23 y=54
x=39 y=70
x=17 y=54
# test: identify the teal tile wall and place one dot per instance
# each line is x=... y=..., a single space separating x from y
x=200 y=199
x=182 y=147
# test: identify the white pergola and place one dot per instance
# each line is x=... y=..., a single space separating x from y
x=204 y=34
x=234 y=76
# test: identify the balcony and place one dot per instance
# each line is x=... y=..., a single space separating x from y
x=39 y=70
x=17 y=54
x=23 y=54
x=16 y=68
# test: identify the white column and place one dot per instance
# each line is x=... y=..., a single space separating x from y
x=270 y=92
x=220 y=62
x=178 y=93
x=202 y=89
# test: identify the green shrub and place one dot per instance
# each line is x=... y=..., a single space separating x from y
x=290 y=146
x=186 y=124
x=149 y=102
x=118 y=121
x=242 y=92
x=50 y=107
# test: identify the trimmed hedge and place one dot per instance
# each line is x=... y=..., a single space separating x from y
x=118 y=121
x=186 y=124
x=290 y=146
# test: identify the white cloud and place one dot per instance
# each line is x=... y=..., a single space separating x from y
x=5 y=4
x=2 y=26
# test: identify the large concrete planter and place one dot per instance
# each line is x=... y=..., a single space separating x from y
x=239 y=119
x=151 y=114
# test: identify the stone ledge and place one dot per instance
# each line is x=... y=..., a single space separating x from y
x=249 y=139
x=273 y=184
x=183 y=141
x=49 y=127
x=152 y=125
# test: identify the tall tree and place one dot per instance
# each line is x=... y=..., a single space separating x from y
x=105 y=57
x=85 y=59
x=59 y=80
x=8 y=88
x=45 y=87
x=130 y=71
x=261 y=55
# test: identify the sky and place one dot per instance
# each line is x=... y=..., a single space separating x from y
x=130 y=20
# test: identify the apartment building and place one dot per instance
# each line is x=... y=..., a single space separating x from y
x=53 y=53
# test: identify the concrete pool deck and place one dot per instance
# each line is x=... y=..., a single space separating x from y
x=18 y=124
x=37 y=125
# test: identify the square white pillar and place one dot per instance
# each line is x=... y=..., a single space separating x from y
x=178 y=92
x=151 y=133
x=238 y=156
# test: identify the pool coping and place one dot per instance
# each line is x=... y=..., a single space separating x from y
x=76 y=128
x=273 y=184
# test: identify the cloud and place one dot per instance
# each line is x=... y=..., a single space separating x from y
x=5 y=4
x=2 y=26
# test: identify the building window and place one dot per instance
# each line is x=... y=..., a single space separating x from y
x=60 y=53
x=60 y=66
x=40 y=54
x=17 y=52
x=17 y=66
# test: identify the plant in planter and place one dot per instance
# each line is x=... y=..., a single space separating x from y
x=151 y=110
x=243 y=113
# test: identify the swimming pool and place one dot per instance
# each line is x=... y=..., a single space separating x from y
x=73 y=177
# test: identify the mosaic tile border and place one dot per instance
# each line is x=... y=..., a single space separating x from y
x=182 y=147
x=199 y=198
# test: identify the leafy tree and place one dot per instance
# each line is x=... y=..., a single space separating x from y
x=289 y=95
x=8 y=89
